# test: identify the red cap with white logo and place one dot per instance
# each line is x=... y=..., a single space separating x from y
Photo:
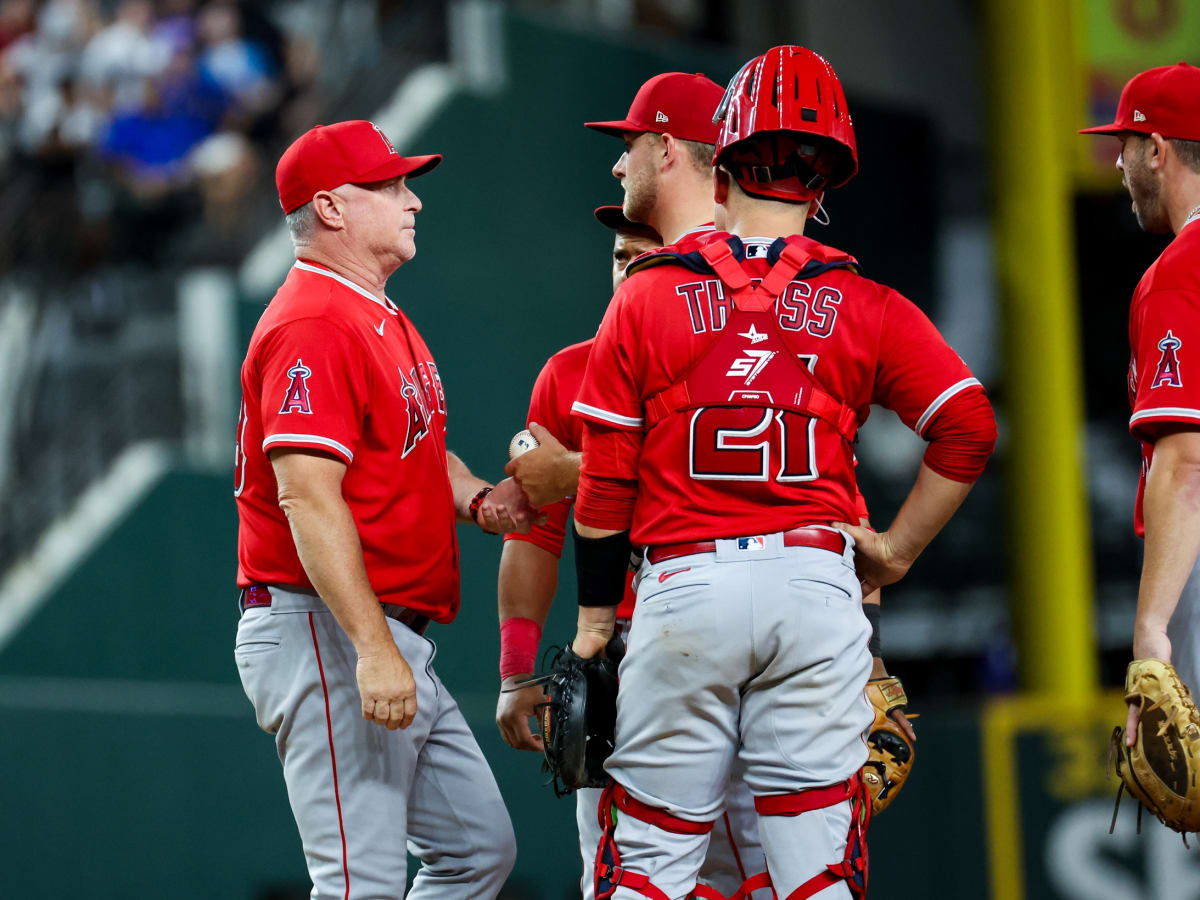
x=1165 y=100
x=673 y=103
x=326 y=156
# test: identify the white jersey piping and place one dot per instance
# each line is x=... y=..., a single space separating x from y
x=603 y=414
x=1174 y=412
x=385 y=303
x=308 y=439
x=941 y=401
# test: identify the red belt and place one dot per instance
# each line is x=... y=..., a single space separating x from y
x=820 y=538
x=259 y=595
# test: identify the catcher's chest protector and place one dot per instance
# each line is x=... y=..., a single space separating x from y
x=748 y=364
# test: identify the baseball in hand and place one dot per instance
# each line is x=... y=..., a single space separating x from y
x=522 y=442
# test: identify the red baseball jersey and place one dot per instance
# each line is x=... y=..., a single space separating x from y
x=555 y=390
x=1164 y=342
x=332 y=368
x=723 y=471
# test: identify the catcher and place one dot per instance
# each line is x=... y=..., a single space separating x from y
x=574 y=742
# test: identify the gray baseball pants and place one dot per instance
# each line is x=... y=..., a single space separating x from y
x=364 y=797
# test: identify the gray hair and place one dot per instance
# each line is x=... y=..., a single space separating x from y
x=301 y=223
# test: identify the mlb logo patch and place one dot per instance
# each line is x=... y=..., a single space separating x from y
x=758 y=542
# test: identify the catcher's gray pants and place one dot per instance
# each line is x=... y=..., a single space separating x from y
x=363 y=796
x=1184 y=632
x=757 y=653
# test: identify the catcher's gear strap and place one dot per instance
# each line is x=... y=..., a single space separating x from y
x=822 y=258
x=854 y=865
x=600 y=565
x=852 y=869
x=789 y=387
x=609 y=873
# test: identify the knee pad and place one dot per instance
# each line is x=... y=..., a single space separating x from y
x=853 y=867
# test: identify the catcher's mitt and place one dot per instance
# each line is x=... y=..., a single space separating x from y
x=1160 y=770
x=892 y=752
x=579 y=716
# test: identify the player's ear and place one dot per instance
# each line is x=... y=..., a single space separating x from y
x=669 y=149
x=1158 y=155
x=720 y=186
x=327 y=207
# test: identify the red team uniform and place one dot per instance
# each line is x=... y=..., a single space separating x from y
x=334 y=369
x=729 y=471
x=1164 y=325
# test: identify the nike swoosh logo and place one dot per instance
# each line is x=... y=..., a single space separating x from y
x=379 y=327
x=665 y=575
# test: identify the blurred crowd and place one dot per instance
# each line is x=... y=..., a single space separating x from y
x=157 y=111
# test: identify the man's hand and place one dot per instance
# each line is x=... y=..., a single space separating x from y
x=594 y=630
x=507 y=509
x=387 y=688
x=877 y=559
x=879 y=670
x=515 y=708
x=1149 y=642
x=547 y=473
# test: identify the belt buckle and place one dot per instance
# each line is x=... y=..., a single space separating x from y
x=752 y=544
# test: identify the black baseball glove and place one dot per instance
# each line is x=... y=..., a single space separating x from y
x=579 y=716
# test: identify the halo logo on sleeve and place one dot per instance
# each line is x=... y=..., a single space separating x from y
x=296 y=398
x=1167 y=374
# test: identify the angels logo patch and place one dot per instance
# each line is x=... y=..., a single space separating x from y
x=296 y=398
x=1167 y=374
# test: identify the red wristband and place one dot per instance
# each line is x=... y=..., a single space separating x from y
x=518 y=646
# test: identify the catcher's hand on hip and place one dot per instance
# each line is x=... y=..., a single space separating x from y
x=387 y=689
x=876 y=558
x=515 y=707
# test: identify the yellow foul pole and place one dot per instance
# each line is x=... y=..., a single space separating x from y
x=1033 y=97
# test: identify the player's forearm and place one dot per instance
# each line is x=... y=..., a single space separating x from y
x=463 y=486
x=928 y=507
x=527 y=581
x=1171 y=511
x=327 y=543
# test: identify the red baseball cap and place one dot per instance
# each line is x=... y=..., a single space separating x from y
x=614 y=217
x=355 y=152
x=673 y=103
x=1165 y=100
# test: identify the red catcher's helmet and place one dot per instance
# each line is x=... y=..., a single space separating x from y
x=773 y=109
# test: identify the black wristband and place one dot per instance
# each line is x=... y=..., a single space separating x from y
x=600 y=567
x=872 y=611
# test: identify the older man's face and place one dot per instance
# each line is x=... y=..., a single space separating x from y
x=381 y=218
